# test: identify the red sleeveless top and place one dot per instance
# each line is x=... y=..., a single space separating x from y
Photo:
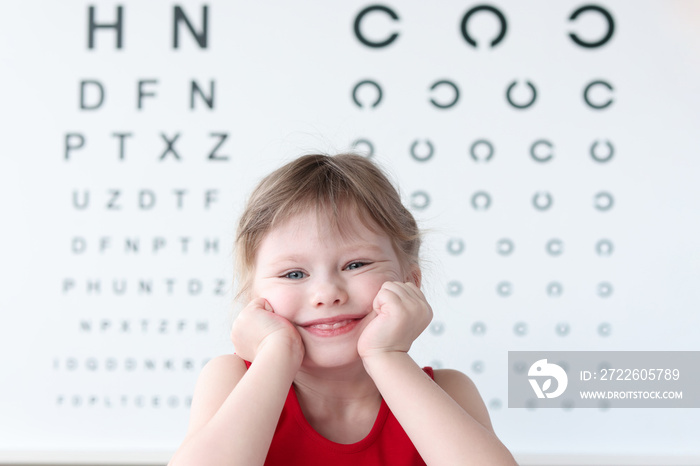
x=297 y=443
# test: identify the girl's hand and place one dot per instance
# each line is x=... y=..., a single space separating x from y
x=400 y=315
x=257 y=326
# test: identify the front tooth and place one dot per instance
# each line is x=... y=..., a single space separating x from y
x=331 y=326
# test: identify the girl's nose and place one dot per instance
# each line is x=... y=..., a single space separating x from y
x=329 y=292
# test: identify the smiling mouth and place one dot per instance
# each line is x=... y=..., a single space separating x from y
x=339 y=324
x=331 y=328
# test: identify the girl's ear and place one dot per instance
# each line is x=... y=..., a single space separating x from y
x=414 y=275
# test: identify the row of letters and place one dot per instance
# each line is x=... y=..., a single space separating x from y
x=122 y=401
x=94 y=288
x=420 y=149
x=145 y=199
x=145 y=287
x=75 y=143
x=480 y=200
x=131 y=246
x=128 y=364
x=93 y=95
x=143 y=326
x=136 y=246
x=200 y=33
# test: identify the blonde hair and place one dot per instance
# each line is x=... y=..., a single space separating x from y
x=331 y=185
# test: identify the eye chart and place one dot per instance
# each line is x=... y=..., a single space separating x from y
x=548 y=150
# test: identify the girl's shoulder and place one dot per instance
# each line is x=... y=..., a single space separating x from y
x=463 y=390
x=450 y=376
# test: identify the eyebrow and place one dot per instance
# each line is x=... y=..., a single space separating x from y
x=288 y=258
x=371 y=247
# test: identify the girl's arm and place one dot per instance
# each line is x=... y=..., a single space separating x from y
x=447 y=426
x=446 y=421
x=235 y=411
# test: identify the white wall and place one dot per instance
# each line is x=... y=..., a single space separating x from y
x=282 y=80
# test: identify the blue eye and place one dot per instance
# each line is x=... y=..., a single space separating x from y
x=355 y=265
x=295 y=275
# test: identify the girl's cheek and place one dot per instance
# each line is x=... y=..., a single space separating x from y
x=282 y=301
x=370 y=288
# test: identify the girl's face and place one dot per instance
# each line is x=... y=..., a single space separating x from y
x=324 y=282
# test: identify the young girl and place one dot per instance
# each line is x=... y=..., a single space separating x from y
x=327 y=260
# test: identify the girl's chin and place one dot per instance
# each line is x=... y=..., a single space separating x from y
x=331 y=358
